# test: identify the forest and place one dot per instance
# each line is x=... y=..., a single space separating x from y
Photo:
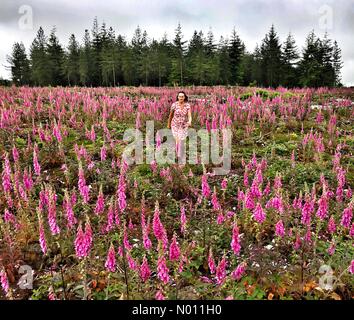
x=105 y=58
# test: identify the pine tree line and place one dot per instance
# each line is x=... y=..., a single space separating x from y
x=107 y=59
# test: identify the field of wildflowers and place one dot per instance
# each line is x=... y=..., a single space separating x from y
x=78 y=222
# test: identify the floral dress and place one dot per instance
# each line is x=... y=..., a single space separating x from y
x=179 y=121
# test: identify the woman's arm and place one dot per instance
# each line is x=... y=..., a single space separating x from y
x=189 y=117
x=170 y=119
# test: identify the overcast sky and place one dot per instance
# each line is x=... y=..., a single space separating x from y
x=20 y=20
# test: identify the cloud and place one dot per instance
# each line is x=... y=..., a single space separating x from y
x=251 y=19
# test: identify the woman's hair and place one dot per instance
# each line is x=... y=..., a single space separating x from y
x=185 y=96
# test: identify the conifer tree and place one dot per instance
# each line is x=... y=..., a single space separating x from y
x=19 y=65
x=290 y=58
x=271 y=59
x=85 y=61
x=310 y=67
x=224 y=62
x=55 y=56
x=39 y=61
x=337 y=64
x=236 y=53
x=72 y=62
x=178 y=58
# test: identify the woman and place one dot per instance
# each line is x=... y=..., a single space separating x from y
x=180 y=118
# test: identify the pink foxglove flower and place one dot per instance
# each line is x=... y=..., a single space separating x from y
x=92 y=135
x=259 y=214
x=100 y=202
x=110 y=216
x=240 y=198
x=224 y=184
x=36 y=165
x=351 y=232
x=277 y=183
x=56 y=131
x=253 y=161
x=307 y=209
x=158 y=228
x=255 y=191
x=51 y=294
x=67 y=204
x=331 y=249
x=153 y=166
x=15 y=153
x=308 y=236
x=4 y=281
x=220 y=273
x=146 y=230
x=162 y=270
x=10 y=218
x=239 y=271
x=258 y=178
x=347 y=217
x=190 y=173
x=42 y=240
x=214 y=201
x=83 y=188
x=351 y=267
x=331 y=225
x=83 y=240
x=147 y=242
x=52 y=212
x=122 y=203
x=131 y=262
x=6 y=174
x=322 y=210
x=116 y=214
x=130 y=224
x=111 y=259
x=211 y=262
x=159 y=295
x=145 y=271
x=245 y=179
x=183 y=220
x=181 y=263
x=279 y=229
x=235 y=242
x=103 y=153
x=27 y=179
x=220 y=218
x=126 y=243
x=266 y=190
x=174 y=249
x=297 y=243
x=205 y=186
x=276 y=203
x=80 y=242
x=249 y=202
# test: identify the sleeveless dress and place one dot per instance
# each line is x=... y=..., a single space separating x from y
x=179 y=121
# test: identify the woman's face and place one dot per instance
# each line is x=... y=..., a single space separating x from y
x=181 y=97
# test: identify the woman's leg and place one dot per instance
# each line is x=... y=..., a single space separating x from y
x=177 y=147
x=182 y=152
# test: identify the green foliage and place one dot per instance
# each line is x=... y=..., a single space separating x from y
x=107 y=59
x=246 y=96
